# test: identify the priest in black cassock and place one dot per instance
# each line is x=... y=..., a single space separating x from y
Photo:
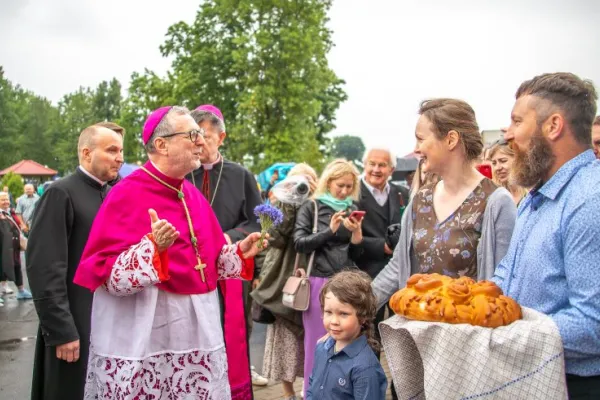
x=233 y=193
x=60 y=229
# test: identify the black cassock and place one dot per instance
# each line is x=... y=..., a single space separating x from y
x=61 y=225
x=233 y=194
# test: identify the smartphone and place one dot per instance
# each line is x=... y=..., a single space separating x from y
x=485 y=170
x=357 y=215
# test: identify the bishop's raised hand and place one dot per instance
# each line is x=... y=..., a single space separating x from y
x=249 y=247
x=163 y=232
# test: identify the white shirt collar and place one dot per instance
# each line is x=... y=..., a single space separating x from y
x=91 y=176
x=374 y=190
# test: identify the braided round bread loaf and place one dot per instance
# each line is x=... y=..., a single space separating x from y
x=439 y=298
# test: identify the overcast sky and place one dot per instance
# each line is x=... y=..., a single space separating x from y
x=392 y=54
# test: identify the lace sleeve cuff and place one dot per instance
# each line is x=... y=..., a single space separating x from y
x=138 y=267
x=232 y=265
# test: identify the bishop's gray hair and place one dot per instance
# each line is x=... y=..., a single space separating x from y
x=165 y=127
x=393 y=160
x=202 y=115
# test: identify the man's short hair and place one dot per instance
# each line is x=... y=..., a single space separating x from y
x=597 y=120
x=203 y=115
x=113 y=127
x=572 y=96
x=86 y=138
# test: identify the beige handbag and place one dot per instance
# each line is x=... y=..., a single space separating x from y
x=296 y=292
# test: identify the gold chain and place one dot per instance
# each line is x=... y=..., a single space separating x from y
x=200 y=267
x=218 y=181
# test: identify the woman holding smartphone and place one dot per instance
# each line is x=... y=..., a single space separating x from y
x=336 y=242
x=461 y=225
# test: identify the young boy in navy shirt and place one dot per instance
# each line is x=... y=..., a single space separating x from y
x=345 y=365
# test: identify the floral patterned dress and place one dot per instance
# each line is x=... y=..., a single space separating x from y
x=449 y=247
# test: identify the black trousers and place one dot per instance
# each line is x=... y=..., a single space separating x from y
x=18 y=275
x=380 y=316
x=583 y=387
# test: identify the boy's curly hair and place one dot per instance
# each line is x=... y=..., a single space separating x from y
x=354 y=288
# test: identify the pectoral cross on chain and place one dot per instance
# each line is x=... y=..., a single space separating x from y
x=200 y=267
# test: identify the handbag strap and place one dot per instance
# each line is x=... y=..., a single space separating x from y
x=312 y=255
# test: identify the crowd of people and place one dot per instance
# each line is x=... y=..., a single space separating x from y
x=15 y=222
x=147 y=287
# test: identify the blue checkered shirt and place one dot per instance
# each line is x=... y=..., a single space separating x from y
x=553 y=261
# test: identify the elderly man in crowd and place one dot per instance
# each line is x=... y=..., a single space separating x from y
x=26 y=206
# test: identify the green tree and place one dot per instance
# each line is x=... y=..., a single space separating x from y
x=349 y=147
x=147 y=92
x=38 y=130
x=264 y=64
x=27 y=122
x=107 y=100
x=32 y=128
x=76 y=113
x=9 y=118
x=15 y=184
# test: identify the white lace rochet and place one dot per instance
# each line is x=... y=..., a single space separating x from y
x=151 y=344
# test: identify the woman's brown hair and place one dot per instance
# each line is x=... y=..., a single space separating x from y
x=448 y=115
x=354 y=288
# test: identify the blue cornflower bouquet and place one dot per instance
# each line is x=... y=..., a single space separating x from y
x=268 y=216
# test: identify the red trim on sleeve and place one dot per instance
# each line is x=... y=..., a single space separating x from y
x=247 y=272
x=160 y=261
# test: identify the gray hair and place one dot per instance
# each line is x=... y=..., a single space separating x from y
x=393 y=160
x=202 y=115
x=4 y=194
x=165 y=127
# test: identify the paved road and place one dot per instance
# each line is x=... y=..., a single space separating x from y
x=18 y=328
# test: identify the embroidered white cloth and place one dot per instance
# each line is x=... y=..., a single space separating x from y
x=432 y=360
x=150 y=344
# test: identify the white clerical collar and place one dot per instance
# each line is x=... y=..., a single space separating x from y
x=91 y=176
x=210 y=166
x=374 y=190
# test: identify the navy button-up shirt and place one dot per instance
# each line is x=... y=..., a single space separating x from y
x=352 y=373
x=553 y=262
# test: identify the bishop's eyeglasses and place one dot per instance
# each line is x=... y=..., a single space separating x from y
x=192 y=135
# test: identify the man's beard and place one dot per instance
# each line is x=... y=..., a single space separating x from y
x=532 y=166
